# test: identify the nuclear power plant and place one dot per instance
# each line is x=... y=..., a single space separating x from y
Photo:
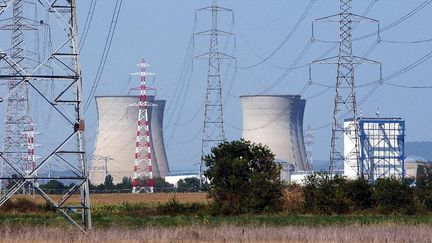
x=276 y=121
x=114 y=151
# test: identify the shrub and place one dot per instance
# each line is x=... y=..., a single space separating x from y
x=359 y=192
x=394 y=196
x=326 y=195
x=244 y=178
x=173 y=208
x=293 y=199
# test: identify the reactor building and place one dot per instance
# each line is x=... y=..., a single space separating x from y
x=114 y=151
x=276 y=121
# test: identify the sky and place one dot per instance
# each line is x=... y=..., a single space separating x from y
x=161 y=32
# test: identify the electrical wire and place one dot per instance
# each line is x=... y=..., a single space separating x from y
x=105 y=53
x=398 y=21
x=286 y=39
x=87 y=24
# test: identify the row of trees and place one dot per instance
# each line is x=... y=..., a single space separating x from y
x=245 y=179
x=190 y=184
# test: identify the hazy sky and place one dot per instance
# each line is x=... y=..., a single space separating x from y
x=160 y=31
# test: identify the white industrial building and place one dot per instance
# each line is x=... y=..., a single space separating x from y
x=276 y=121
x=116 y=138
x=381 y=148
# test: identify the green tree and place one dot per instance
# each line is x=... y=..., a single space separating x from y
x=190 y=184
x=394 y=196
x=243 y=178
x=160 y=185
x=53 y=187
x=325 y=194
x=108 y=183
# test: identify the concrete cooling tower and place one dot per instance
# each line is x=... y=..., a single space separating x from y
x=276 y=121
x=116 y=137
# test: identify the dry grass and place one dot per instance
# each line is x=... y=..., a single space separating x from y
x=118 y=198
x=354 y=233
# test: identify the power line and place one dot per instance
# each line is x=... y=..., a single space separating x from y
x=285 y=40
x=105 y=53
x=88 y=22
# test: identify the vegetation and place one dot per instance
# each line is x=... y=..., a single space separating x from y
x=226 y=233
x=243 y=178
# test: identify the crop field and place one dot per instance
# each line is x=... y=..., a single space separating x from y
x=227 y=233
x=119 y=198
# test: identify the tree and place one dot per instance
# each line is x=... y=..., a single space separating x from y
x=160 y=185
x=108 y=183
x=190 y=184
x=53 y=187
x=394 y=196
x=243 y=178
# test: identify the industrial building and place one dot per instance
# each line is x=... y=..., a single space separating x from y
x=276 y=121
x=116 y=138
x=381 y=148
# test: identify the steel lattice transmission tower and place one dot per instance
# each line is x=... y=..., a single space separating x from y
x=53 y=81
x=309 y=152
x=17 y=118
x=213 y=129
x=345 y=98
x=345 y=103
x=143 y=156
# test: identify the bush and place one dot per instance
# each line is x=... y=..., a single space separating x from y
x=173 y=208
x=244 y=179
x=359 y=192
x=394 y=196
x=294 y=199
x=326 y=195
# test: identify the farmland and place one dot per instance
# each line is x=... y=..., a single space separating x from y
x=118 y=198
x=228 y=233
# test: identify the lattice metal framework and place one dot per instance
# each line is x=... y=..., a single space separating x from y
x=382 y=143
x=54 y=80
x=213 y=129
x=309 y=152
x=17 y=119
x=345 y=103
x=143 y=157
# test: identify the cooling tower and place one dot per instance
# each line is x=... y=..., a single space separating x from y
x=276 y=121
x=116 y=137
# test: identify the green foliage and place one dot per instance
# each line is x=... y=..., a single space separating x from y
x=173 y=207
x=54 y=187
x=243 y=178
x=190 y=184
x=423 y=190
x=394 y=196
x=109 y=185
x=162 y=186
x=327 y=195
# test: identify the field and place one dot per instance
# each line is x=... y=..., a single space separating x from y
x=118 y=198
x=226 y=233
x=138 y=218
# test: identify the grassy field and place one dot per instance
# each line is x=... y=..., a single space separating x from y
x=118 y=198
x=227 y=233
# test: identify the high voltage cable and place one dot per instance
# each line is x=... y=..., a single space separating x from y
x=285 y=40
x=398 y=21
x=285 y=74
x=407 y=42
x=105 y=53
x=88 y=22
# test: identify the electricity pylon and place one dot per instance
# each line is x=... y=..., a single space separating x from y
x=345 y=102
x=143 y=157
x=213 y=128
x=59 y=66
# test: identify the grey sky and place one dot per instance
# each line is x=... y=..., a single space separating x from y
x=160 y=30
